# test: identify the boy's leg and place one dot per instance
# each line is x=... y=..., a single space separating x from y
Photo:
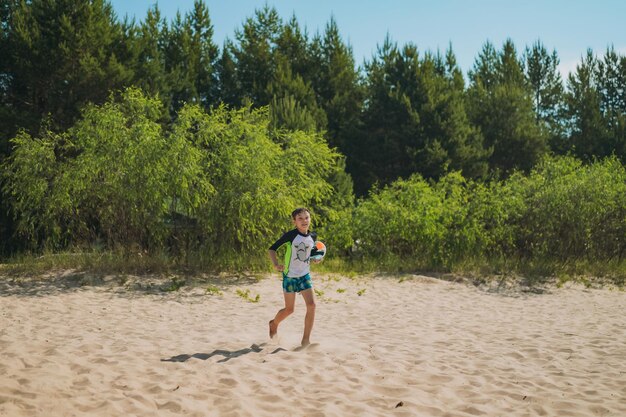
x=309 y=318
x=290 y=301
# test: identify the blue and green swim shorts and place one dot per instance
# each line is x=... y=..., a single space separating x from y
x=298 y=284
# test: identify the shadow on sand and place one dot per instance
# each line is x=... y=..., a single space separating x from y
x=227 y=354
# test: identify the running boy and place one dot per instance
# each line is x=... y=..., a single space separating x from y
x=296 y=278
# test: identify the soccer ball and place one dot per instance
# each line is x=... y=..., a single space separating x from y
x=318 y=252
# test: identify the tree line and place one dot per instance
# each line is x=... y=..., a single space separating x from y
x=401 y=113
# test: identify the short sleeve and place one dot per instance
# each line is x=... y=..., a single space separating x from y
x=286 y=237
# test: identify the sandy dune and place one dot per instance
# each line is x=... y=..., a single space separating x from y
x=414 y=346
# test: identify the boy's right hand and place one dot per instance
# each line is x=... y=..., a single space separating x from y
x=279 y=267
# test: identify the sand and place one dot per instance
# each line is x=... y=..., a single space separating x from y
x=383 y=346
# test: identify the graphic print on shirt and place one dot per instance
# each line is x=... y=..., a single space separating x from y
x=301 y=252
x=298 y=250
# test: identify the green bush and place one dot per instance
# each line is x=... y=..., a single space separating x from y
x=563 y=210
x=571 y=210
x=219 y=183
x=430 y=224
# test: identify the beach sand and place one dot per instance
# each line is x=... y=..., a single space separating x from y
x=383 y=346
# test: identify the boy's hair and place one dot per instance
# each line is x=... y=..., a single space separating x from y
x=298 y=211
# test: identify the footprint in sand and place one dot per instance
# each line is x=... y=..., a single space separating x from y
x=228 y=381
x=170 y=406
x=306 y=347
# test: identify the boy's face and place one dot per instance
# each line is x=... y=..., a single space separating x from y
x=302 y=221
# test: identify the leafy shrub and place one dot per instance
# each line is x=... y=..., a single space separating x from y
x=219 y=182
x=433 y=225
x=571 y=210
x=562 y=210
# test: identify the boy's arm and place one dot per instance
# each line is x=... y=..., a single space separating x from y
x=274 y=259
x=286 y=237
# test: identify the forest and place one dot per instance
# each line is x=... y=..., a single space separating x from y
x=127 y=138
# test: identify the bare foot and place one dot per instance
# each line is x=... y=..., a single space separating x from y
x=305 y=344
x=273 y=329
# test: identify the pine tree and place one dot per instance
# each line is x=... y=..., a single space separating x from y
x=293 y=101
x=228 y=86
x=178 y=60
x=543 y=76
x=206 y=54
x=60 y=57
x=190 y=59
x=293 y=104
x=589 y=134
x=7 y=112
x=611 y=83
x=415 y=119
x=150 y=73
x=611 y=75
x=465 y=142
x=500 y=104
x=254 y=55
x=509 y=69
x=293 y=45
x=338 y=87
x=484 y=74
x=379 y=153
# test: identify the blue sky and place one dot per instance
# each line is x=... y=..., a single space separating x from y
x=569 y=26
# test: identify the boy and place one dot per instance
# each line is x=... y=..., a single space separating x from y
x=296 y=278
